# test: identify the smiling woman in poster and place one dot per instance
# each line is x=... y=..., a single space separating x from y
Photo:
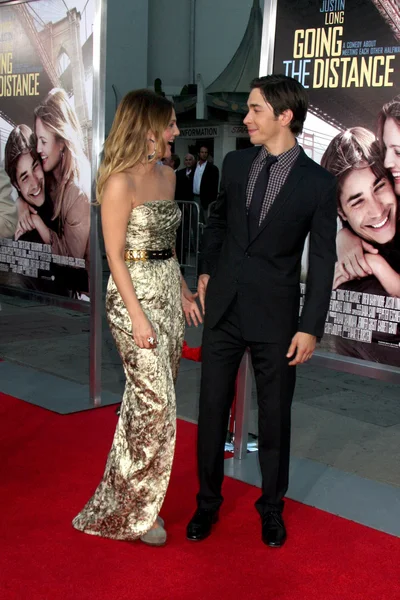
x=67 y=169
x=389 y=136
x=368 y=209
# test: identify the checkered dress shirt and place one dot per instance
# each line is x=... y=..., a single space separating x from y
x=277 y=177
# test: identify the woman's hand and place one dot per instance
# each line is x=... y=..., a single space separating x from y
x=340 y=276
x=25 y=214
x=351 y=250
x=42 y=229
x=190 y=306
x=142 y=331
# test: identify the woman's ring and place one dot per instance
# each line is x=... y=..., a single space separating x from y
x=151 y=340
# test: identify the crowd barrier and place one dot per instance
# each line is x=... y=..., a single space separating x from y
x=188 y=240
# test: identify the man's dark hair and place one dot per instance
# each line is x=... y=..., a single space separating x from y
x=351 y=150
x=20 y=141
x=177 y=161
x=284 y=93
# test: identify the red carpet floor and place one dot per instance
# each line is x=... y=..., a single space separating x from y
x=51 y=463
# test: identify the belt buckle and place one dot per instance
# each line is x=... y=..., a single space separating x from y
x=141 y=255
x=137 y=255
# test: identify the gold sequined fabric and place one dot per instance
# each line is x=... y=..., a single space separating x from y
x=129 y=497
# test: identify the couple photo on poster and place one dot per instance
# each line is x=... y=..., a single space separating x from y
x=46 y=147
x=368 y=246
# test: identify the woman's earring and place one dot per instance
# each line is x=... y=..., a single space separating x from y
x=151 y=156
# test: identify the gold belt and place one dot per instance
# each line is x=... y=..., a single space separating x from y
x=143 y=255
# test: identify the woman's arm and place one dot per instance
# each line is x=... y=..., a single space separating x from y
x=42 y=229
x=387 y=276
x=25 y=220
x=350 y=250
x=115 y=213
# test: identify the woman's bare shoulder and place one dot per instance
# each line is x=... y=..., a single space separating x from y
x=167 y=172
x=119 y=191
x=119 y=181
x=119 y=185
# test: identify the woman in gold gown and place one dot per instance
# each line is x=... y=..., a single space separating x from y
x=146 y=301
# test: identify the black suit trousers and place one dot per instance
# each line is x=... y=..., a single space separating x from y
x=222 y=350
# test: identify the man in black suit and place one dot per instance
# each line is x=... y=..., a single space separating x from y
x=272 y=196
x=184 y=179
x=205 y=181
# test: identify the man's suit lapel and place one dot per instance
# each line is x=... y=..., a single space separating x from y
x=288 y=188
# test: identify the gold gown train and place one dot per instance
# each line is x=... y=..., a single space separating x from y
x=129 y=497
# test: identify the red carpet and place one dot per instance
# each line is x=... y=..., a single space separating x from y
x=50 y=464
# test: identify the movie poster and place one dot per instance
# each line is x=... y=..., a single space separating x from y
x=347 y=54
x=46 y=74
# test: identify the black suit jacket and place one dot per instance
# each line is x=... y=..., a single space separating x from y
x=184 y=185
x=209 y=185
x=264 y=272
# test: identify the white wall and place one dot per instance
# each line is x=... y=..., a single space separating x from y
x=168 y=44
x=127 y=38
x=220 y=28
x=147 y=39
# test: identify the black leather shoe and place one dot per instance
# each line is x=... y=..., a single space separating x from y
x=273 y=529
x=199 y=527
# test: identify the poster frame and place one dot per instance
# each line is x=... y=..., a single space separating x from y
x=10 y=2
x=95 y=267
x=320 y=358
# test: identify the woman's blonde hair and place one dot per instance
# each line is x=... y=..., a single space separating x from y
x=57 y=115
x=127 y=142
x=391 y=110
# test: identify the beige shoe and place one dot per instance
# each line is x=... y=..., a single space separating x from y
x=157 y=536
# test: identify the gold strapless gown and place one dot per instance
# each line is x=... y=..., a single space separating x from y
x=129 y=497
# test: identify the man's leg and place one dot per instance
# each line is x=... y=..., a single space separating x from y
x=222 y=351
x=275 y=382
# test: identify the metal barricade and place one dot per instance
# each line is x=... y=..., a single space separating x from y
x=188 y=240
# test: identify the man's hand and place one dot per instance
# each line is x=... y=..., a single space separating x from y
x=201 y=290
x=301 y=348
